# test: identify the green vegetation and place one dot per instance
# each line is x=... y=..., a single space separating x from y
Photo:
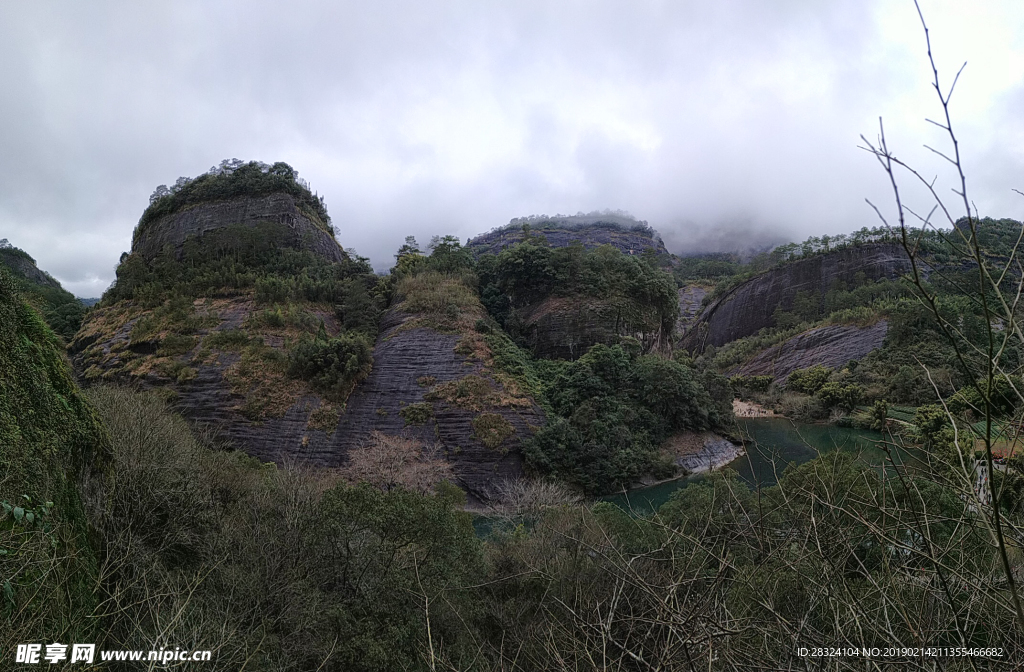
x=417 y=414
x=896 y=371
x=271 y=569
x=608 y=412
x=491 y=429
x=52 y=449
x=61 y=310
x=612 y=408
x=230 y=180
x=333 y=366
x=240 y=259
x=809 y=380
x=643 y=296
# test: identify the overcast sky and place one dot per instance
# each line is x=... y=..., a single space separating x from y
x=723 y=124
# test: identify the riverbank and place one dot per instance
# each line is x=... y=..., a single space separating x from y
x=751 y=409
x=699 y=452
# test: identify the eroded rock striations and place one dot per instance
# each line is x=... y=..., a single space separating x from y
x=566 y=327
x=174 y=229
x=221 y=354
x=833 y=346
x=750 y=306
x=410 y=392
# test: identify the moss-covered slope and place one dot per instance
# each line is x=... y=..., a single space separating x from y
x=52 y=447
x=61 y=310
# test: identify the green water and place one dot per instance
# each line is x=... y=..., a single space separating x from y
x=772 y=445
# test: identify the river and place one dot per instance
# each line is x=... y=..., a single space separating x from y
x=772 y=444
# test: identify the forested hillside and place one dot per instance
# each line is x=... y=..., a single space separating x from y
x=61 y=310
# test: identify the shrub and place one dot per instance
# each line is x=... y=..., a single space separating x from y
x=417 y=414
x=227 y=339
x=809 y=380
x=176 y=344
x=751 y=383
x=323 y=418
x=837 y=395
x=491 y=429
x=332 y=366
x=472 y=392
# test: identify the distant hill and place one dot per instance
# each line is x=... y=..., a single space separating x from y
x=89 y=303
x=625 y=233
x=61 y=310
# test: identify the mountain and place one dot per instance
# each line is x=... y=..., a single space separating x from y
x=238 y=305
x=61 y=310
x=626 y=234
x=228 y=275
x=752 y=305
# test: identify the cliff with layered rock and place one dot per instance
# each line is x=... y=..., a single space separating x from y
x=172 y=230
x=831 y=346
x=233 y=286
x=754 y=304
x=566 y=327
x=436 y=379
x=248 y=317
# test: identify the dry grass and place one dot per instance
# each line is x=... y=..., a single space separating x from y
x=324 y=418
x=388 y=462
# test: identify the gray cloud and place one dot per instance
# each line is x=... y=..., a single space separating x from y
x=719 y=123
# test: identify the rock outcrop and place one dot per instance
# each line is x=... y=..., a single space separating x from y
x=409 y=393
x=833 y=346
x=566 y=327
x=24 y=266
x=691 y=302
x=174 y=229
x=750 y=306
x=202 y=382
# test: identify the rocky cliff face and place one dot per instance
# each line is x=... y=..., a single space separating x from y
x=172 y=230
x=25 y=267
x=832 y=346
x=203 y=382
x=691 y=302
x=565 y=328
x=628 y=242
x=749 y=307
x=253 y=406
x=426 y=386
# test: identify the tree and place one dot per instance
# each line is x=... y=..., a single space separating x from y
x=995 y=296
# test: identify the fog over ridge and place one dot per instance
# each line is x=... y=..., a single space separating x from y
x=717 y=123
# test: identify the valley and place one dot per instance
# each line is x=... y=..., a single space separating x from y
x=255 y=432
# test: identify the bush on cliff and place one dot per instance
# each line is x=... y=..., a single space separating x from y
x=333 y=366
